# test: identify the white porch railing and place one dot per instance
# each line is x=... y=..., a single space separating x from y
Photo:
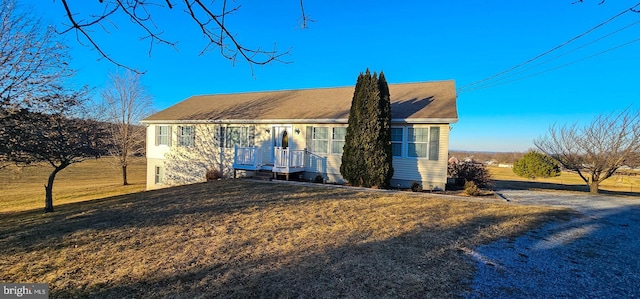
x=249 y=158
x=285 y=160
x=288 y=160
x=315 y=163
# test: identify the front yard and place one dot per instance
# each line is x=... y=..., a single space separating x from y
x=237 y=238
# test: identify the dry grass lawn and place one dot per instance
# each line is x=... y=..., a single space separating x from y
x=23 y=188
x=239 y=238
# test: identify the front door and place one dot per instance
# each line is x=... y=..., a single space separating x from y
x=279 y=139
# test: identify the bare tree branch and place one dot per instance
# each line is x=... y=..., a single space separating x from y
x=304 y=17
x=213 y=27
x=31 y=58
x=80 y=29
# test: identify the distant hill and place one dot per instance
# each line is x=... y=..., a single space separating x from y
x=498 y=157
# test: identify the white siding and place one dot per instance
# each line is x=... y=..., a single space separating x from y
x=156 y=151
x=432 y=174
x=152 y=163
x=327 y=165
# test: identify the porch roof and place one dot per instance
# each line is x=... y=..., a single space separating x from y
x=423 y=102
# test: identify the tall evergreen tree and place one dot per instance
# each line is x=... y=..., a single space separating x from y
x=381 y=158
x=352 y=167
x=367 y=157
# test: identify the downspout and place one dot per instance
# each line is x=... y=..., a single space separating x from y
x=221 y=149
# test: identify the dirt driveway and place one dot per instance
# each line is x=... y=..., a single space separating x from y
x=594 y=255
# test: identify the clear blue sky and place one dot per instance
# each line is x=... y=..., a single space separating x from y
x=410 y=41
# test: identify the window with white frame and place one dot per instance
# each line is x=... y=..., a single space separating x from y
x=396 y=141
x=320 y=140
x=421 y=142
x=186 y=136
x=417 y=141
x=158 y=175
x=434 y=143
x=337 y=140
x=163 y=135
x=237 y=136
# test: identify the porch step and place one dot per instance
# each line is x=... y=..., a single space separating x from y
x=264 y=175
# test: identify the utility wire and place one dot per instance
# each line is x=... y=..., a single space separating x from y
x=557 y=67
x=468 y=86
x=510 y=75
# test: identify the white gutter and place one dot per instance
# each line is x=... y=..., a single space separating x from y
x=299 y=121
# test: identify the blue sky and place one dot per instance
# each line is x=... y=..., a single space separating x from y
x=410 y=41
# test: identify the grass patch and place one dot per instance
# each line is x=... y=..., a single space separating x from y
x=504 y=178
x=236 y=238
x=23 y=188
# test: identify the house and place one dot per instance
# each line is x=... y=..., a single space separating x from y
x=296 y=133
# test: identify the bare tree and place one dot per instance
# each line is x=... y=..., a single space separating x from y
x=596 y=150
x=125 y=102
x=31 y=60
x=208 y=17
x=56 y=136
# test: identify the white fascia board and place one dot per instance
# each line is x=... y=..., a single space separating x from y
x=249 y=121
x=425 y=120
x=299 y=121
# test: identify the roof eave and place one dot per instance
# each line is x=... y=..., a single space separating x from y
x=299 y=121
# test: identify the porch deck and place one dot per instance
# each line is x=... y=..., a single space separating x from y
x=285 y=160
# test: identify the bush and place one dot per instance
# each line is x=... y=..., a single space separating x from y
x=470 y=188
x=535 y=164
x=213 y=174
x=469 y=171
x=416 y=187
x=318 y=179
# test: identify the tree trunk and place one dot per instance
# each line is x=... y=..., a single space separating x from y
x=48 y=190
x=594 y=187
x=124 y=175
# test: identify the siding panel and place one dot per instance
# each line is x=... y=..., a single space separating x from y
x=431 y=174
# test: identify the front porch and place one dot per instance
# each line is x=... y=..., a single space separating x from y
x=285 y=160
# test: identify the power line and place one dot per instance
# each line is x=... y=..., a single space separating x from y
x=507 y=76
x=468 y=86
x=557 y=67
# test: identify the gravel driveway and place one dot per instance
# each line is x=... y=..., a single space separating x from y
x=594 y=255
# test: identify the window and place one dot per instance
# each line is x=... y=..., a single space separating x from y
x=396 y=142
x=237 y=136
x=337 y=140
x=186 y=136
x=434 y=143
x=320 y=140
x=417 y=142
x=158 y=175
x=163 y=135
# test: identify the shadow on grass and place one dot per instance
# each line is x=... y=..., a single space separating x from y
x=532 y=185
x=150 y=209
x=424 y=263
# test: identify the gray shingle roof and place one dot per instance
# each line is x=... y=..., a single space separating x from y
x=411 y=102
